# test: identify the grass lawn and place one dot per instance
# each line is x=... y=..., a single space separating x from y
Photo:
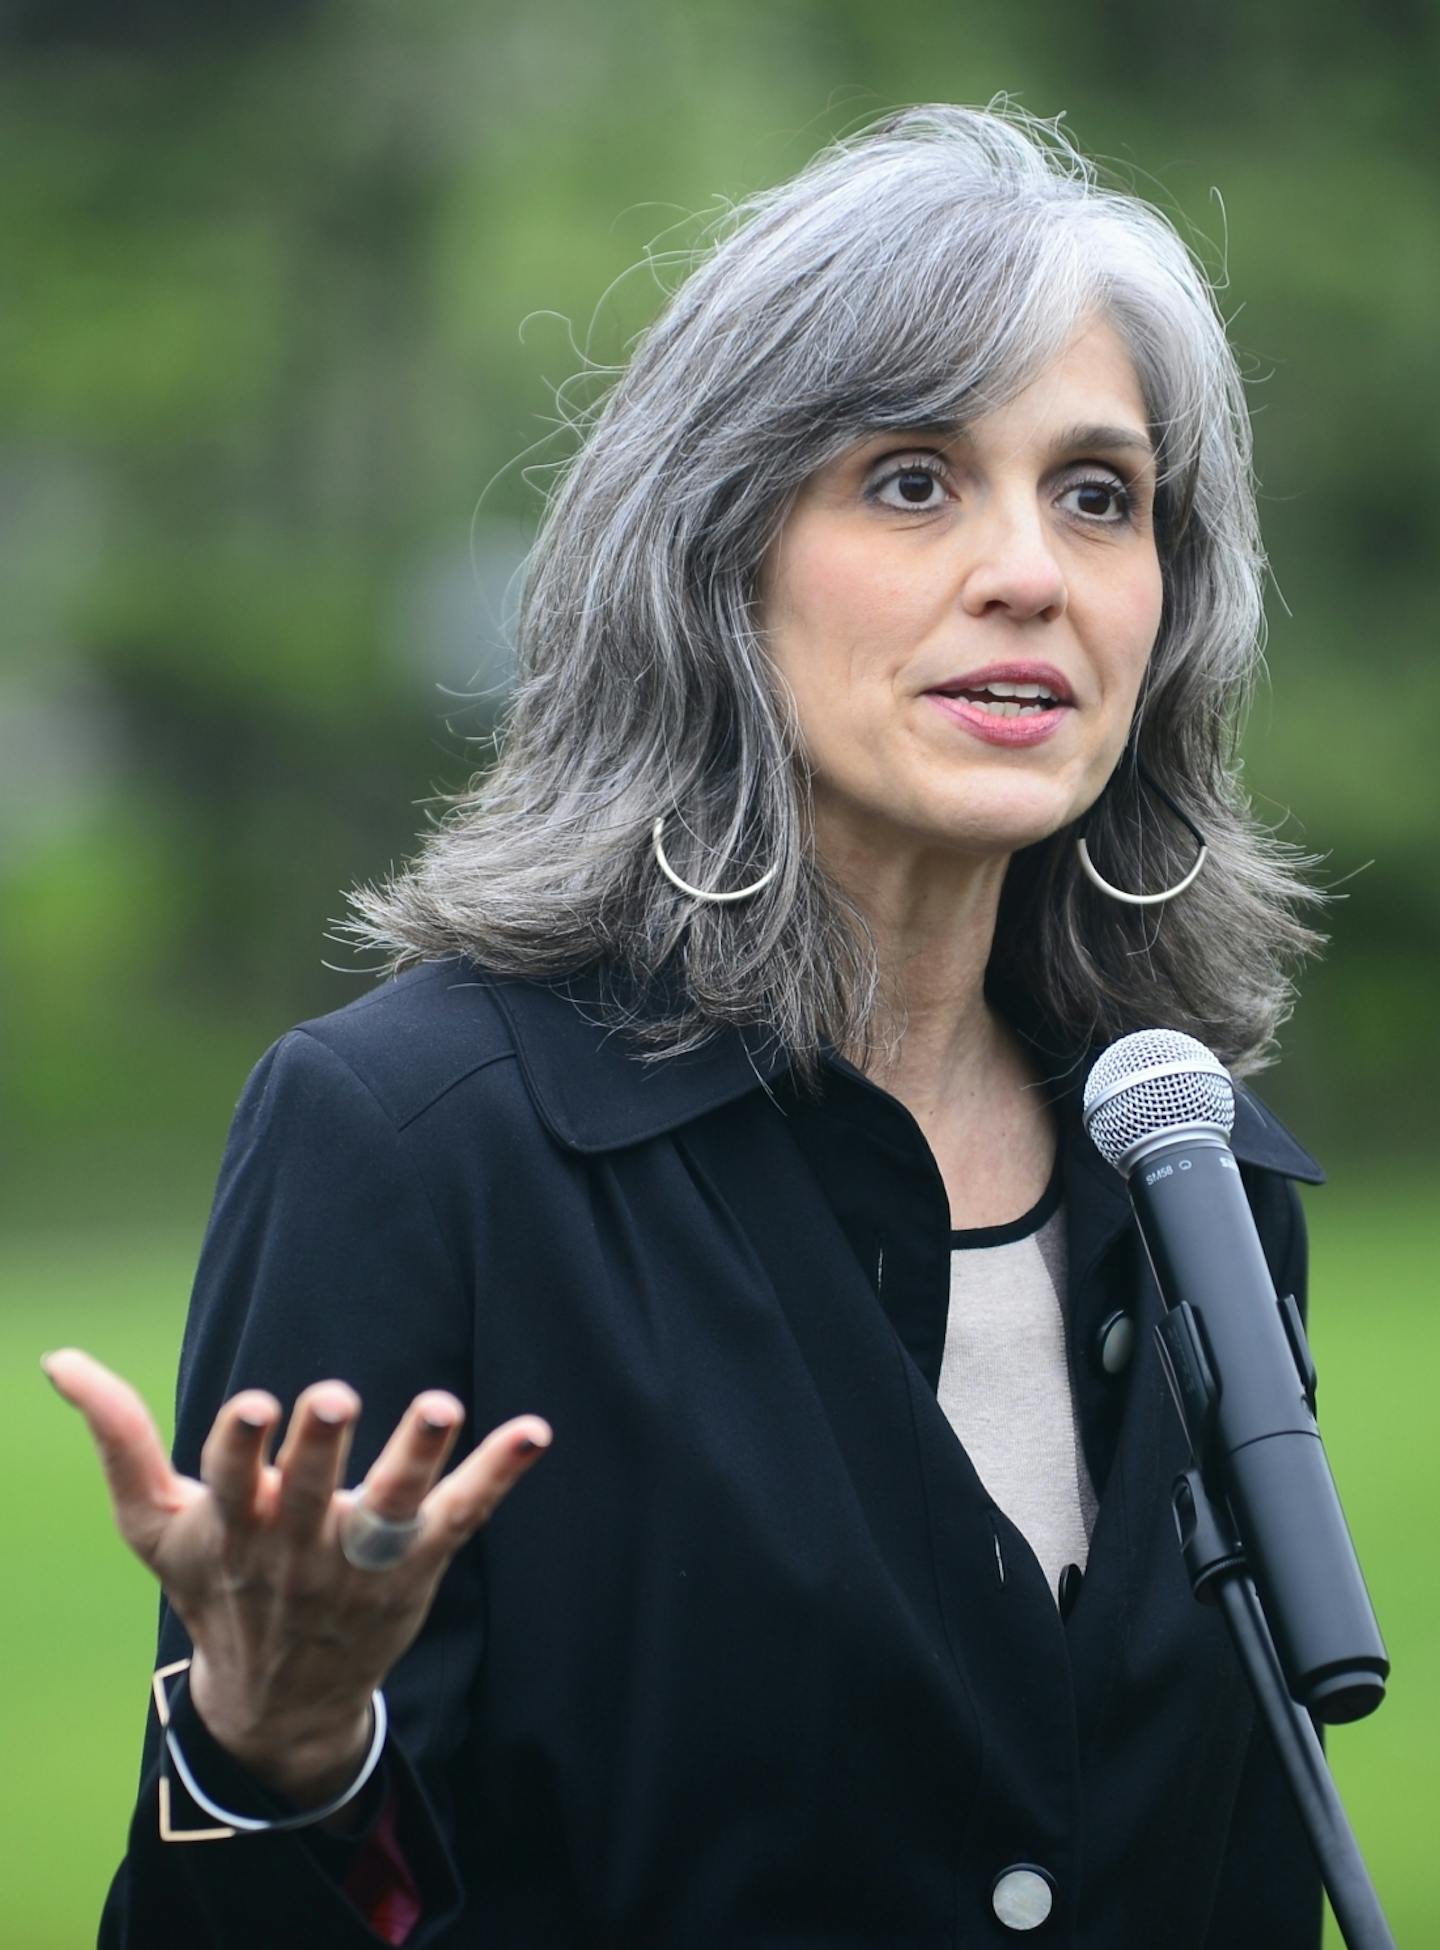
x=79 y=1614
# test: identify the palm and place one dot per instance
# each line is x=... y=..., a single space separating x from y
x=290 y=1639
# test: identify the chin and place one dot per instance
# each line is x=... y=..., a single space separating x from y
x=1016 y=821
x=983 y=819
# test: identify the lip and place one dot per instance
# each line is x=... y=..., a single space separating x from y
x=1046 y=675
x=1031 y=729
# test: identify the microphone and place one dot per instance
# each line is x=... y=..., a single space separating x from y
x=1160 y=1107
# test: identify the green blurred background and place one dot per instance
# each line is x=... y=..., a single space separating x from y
x=289 y=289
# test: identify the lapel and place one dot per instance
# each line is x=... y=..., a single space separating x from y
x=596 y=1087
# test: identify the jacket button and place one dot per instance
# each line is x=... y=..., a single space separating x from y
x=1023 y=1896
x=1071 y=1579
x=1115 y=1343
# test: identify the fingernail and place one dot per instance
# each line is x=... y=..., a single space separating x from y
x=527 y=1445
x=433 y=1425
x=333 y=1418
x=252 y=1424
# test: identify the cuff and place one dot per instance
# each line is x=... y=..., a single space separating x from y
x=228 y=1782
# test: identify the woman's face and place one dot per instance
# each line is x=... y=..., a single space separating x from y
x=964 y=619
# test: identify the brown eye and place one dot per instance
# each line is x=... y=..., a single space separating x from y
x=915 y=485
x=1099 y=499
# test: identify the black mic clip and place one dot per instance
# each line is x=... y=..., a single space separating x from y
x=1208 y=1538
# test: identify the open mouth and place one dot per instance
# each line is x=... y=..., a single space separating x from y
x=1002 y=700
x=1010 y=704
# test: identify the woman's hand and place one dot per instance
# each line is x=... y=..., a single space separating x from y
x=289 y=1639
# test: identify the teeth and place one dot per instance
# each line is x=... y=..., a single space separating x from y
x=1007 y=700
x=1027 y=697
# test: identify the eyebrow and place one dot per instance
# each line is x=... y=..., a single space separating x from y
x=1123 y=439
x=1109 y=435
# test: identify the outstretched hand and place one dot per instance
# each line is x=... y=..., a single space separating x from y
x=289 y=1638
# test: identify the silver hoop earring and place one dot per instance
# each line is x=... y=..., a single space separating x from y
x=1097 y=879
x=699 y=893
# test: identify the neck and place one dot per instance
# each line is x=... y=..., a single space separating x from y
x=952 y=1060
x=932 y=916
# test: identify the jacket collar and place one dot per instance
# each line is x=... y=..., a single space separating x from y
x=595 y=1092
x=590 y=1081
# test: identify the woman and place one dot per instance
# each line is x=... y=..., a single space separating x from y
x=725 y=1112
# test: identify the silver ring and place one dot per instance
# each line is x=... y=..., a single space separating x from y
x=374 y=1543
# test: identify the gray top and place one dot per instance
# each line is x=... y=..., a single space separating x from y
x=1005 y=1381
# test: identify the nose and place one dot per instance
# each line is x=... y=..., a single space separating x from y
x=1011 y=566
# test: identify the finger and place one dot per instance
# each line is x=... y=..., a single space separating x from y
x=233 y=1459
x=144 y=1489
x=406 y=1468
x=312 y=1457
x=468 y=1497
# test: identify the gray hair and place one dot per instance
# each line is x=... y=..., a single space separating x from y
x=914 y=275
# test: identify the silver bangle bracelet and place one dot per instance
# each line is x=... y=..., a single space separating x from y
x=254 y=1825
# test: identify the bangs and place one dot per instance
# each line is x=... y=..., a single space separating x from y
x=925 y=283
x=934 y=340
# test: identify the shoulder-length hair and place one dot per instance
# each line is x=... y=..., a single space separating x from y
x=917 y=274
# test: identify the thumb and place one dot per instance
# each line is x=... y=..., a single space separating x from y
x=145 y=1491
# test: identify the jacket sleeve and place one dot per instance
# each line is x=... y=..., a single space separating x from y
x=1269 y=1894
x=322 y=1257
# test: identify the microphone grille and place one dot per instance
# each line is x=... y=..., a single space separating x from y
x=1152 y=1082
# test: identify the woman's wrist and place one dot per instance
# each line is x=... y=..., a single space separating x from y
x=224 y=1785
x=307 y=1762
x=312 y=1775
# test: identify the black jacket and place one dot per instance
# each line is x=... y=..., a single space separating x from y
x=752 y=1658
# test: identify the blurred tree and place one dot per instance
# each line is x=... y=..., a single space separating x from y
x=152 y=27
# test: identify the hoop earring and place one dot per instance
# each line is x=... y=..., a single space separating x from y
x=699 y=893
x=1096 y=879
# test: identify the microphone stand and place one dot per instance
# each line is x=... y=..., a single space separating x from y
x=1215 y=1561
